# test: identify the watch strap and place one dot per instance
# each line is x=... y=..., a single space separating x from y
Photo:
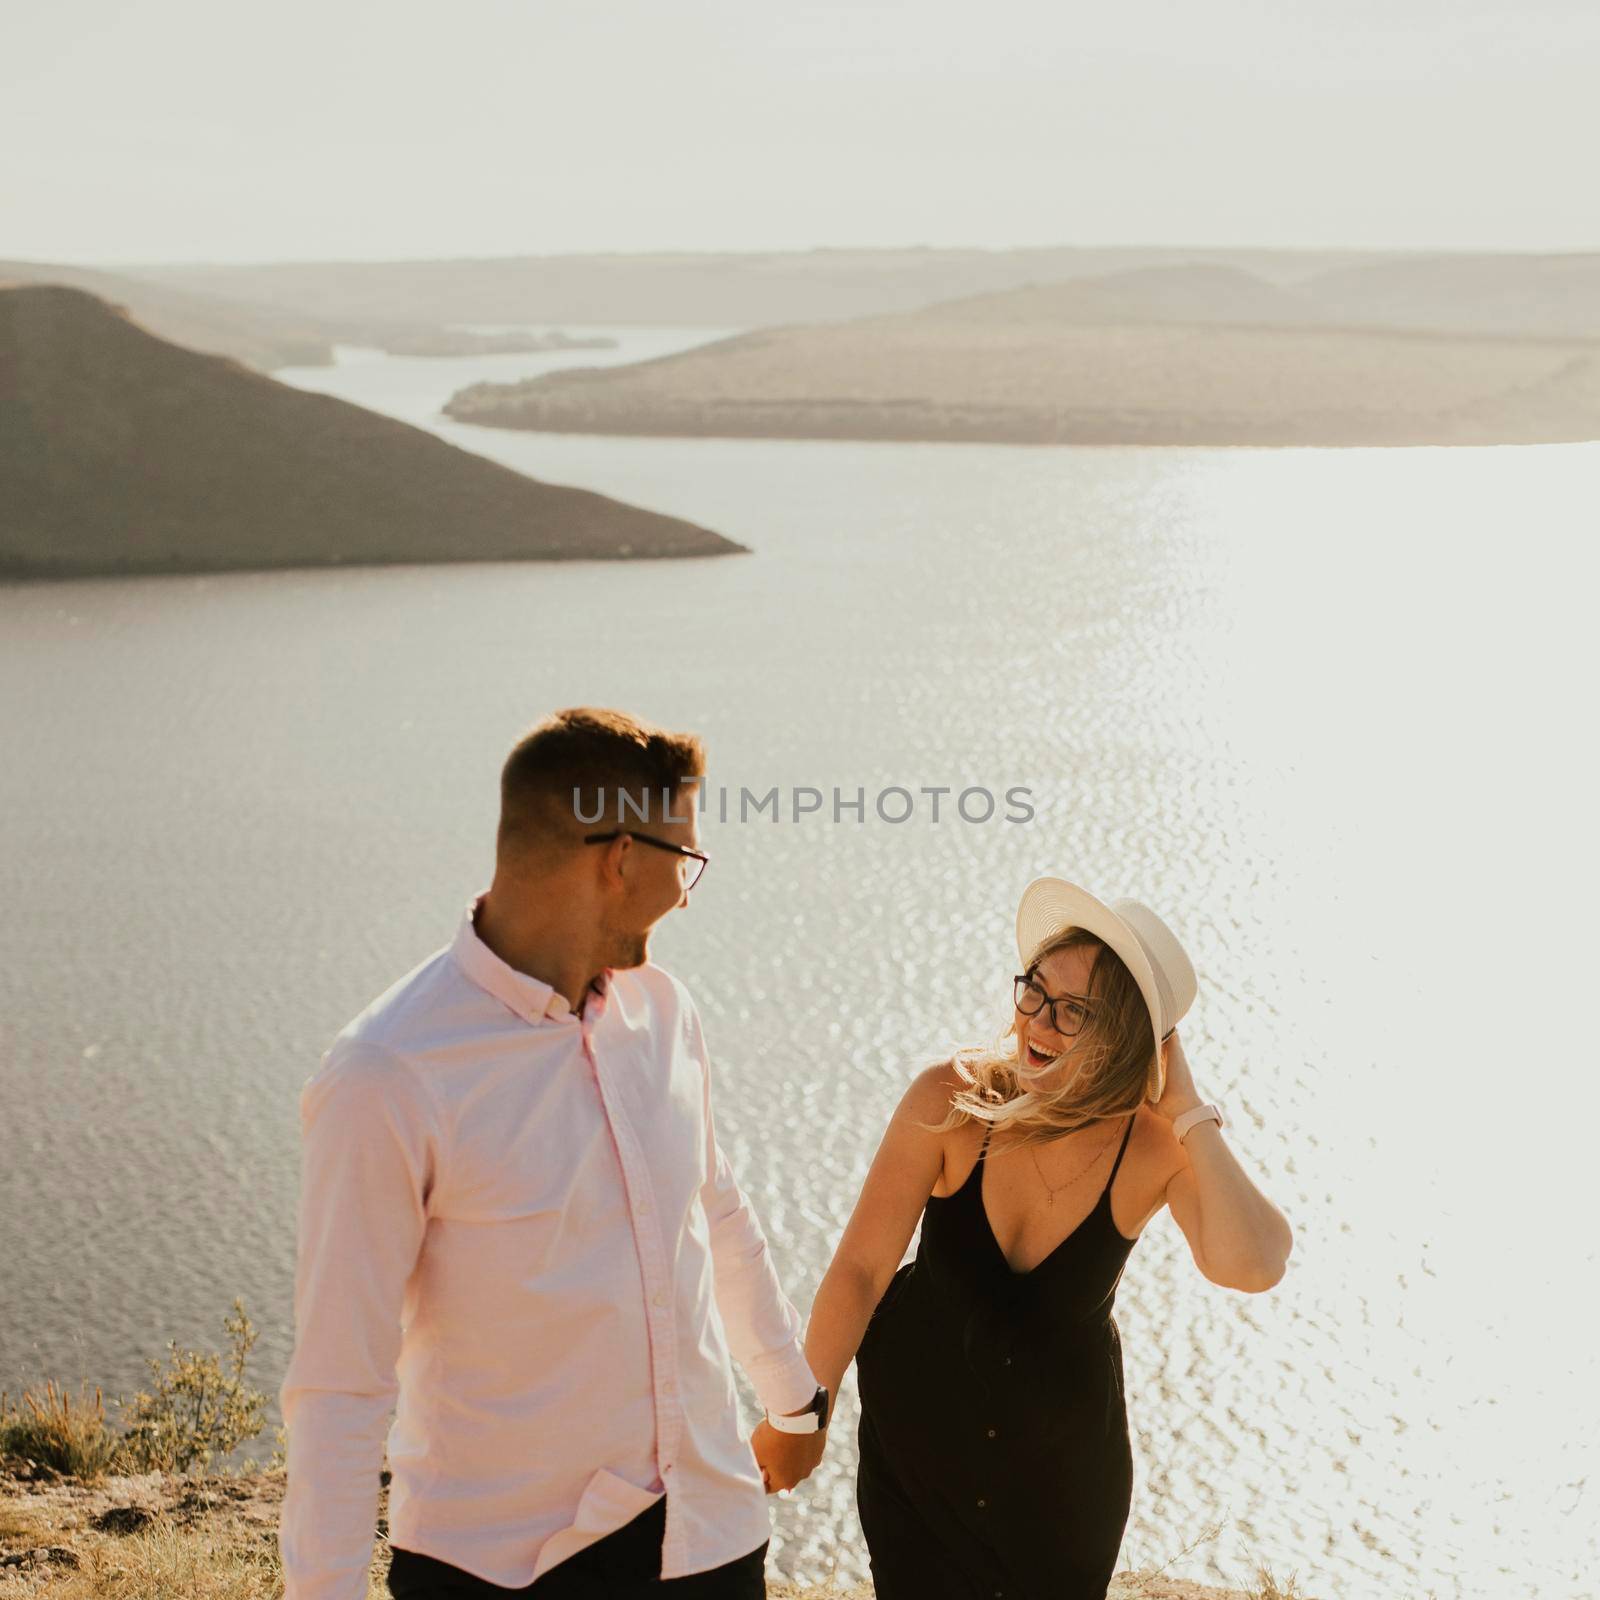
x=812 y=1420
x=1194 y=1117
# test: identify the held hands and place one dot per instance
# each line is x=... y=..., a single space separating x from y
x=786 y=1459
x=1180 y=1094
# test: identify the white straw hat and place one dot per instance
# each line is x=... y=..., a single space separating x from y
x=1147 y=946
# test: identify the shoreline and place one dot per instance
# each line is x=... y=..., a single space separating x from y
x=15 y=574
x=1088 y=430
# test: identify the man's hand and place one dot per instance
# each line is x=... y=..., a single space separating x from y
x=786 y=1459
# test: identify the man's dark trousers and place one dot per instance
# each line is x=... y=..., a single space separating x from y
x=622 y=1565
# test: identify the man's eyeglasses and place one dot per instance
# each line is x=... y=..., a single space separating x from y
x=1068 y=1013
x=696 y=863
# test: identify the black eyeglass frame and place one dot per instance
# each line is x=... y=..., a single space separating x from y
x=1083 y=1002
x=661 y=844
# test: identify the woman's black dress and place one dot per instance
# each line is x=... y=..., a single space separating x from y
x=995 y=1460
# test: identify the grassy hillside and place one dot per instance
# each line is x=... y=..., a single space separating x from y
x=124 y=453
x=1181 y=355
x=263 y=337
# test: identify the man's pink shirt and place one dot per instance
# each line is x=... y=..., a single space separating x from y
x=517 y=1231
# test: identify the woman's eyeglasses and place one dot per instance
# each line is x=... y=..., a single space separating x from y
x=695 y=862
x=1068 y=1013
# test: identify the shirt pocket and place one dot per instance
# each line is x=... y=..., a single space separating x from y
x=608 y=1502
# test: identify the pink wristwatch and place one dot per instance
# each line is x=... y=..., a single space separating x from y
x=1194 y=1117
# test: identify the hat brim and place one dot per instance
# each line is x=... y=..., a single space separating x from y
x=1050 y=906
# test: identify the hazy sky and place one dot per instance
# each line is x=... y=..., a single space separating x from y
x=186 y=130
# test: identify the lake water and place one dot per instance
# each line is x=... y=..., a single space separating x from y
x=1329 y=711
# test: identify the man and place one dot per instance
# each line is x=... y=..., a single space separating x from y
x=517 y=1228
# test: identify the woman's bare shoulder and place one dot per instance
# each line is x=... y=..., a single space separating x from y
x=1153 y=1133
x=928 y=1101
x=930 y=1093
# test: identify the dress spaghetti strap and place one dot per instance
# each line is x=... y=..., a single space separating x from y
x=1127 y=1132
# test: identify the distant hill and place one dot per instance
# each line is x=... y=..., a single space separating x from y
x=123 y=453
x=1550 y=295
x=268 y=337
x=1185 y=292
x=264 y=337
x=1175 y=356
x=729 y=290
x=1465 y=292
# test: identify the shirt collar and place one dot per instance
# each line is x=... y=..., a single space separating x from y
x=526 y=995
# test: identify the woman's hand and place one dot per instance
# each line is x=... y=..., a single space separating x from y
x=786 y=1459
x=1179 y=1094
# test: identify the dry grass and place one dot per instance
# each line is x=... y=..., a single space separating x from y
x=167 y=1562
x=65 y=1435
x=22 y=1527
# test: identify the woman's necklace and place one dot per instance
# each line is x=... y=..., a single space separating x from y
x=1054 y=1189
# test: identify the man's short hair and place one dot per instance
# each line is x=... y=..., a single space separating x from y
x=580 y=761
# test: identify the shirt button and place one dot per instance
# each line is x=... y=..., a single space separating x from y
x=1005 y=1361
x=993 y=1434
x=982 y=1504
x=660 y=1299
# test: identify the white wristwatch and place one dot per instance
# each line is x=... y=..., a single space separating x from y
x=1193 y=1119
x=812 y=1420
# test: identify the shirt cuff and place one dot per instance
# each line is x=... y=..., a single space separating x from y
x=785 y=1381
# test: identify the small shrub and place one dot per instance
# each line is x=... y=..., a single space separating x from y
x=69 y=1437
x=198 y=1406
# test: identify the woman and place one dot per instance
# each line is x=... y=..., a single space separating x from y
x=995 y=1459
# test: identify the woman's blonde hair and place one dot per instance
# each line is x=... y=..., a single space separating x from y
x=1108 y=1061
